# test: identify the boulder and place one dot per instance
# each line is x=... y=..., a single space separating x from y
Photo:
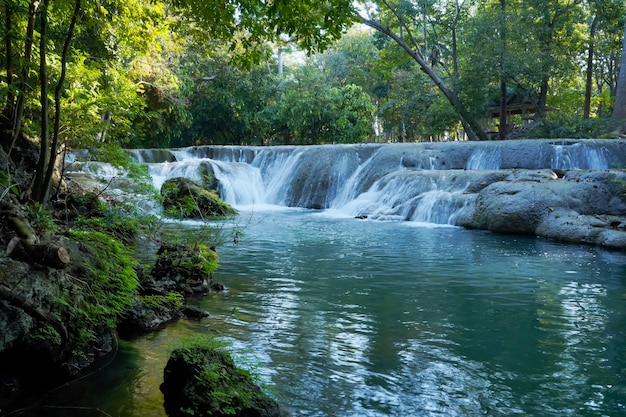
x=576 y=206
x=203 y=381
x=184 y=198
x=182 y=268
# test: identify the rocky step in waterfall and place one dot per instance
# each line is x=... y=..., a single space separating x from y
x=567 y=189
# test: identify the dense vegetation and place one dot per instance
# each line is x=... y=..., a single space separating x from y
x=102 y=75
x=162 y=73
x=77 y=73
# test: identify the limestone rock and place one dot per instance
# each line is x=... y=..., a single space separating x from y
x=579 y=206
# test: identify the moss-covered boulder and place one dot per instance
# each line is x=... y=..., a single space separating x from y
x=182 y=198
x=203 y=381
x=186 y=269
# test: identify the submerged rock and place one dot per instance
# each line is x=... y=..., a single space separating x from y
x=203 y=381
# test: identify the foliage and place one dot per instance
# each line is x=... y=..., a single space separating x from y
x=88 y=211
x=163 y=303
x=119 y=158
x=560 y=126
x=108 y=283
x=41 y=219
x=8 y=184
x=309 y=23
x=309 y=111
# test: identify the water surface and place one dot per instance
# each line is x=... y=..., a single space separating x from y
x=342 y=317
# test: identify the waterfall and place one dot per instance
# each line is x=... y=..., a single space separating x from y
x=429 y=182
x=188 y=168
x=485 y=158
x=240 y=184
x=579 y=155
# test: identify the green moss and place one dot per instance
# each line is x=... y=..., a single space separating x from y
x=190 y=263
x=201 y=379
x=105 y=286
x=182 y=198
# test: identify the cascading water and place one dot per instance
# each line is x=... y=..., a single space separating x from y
x=579 y=155
x=239 y=184
x=323 y=178
x=429 y=182
x=486 y=158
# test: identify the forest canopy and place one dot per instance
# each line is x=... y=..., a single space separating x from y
x=153 y=73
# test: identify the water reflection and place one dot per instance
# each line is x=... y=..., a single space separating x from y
x=348 y=318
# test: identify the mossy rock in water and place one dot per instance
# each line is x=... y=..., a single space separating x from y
x=183 y=268
x=201 y=381
x=185 y=199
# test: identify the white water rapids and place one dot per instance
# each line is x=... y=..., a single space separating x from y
x=430 y=183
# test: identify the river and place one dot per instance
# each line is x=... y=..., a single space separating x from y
x=399 y=314
x=341 y=317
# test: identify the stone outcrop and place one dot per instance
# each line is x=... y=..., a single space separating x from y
x=179 y=271
x=578 y=206
x=204 y=381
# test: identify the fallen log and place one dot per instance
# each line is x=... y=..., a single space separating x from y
x=48 y=254
x=30 y=308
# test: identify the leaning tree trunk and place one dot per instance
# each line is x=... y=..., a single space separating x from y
x=618 y=118
x=57 y=103
x=472 y=128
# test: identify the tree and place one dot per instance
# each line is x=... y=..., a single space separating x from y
x=607 y=45
x=104 y=40
x=403 y=33
x=618 y=118
x=309 y=111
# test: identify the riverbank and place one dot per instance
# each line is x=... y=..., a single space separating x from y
x=70 y=281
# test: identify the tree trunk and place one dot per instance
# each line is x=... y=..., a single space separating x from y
x=48 y=254
x=502 y=130
x=18 y=108
x=472 y=128
x=39 y=193
x=9 y=105
x=618 y=117
x=26 y=246
x=589 y=71
x=57 y=103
